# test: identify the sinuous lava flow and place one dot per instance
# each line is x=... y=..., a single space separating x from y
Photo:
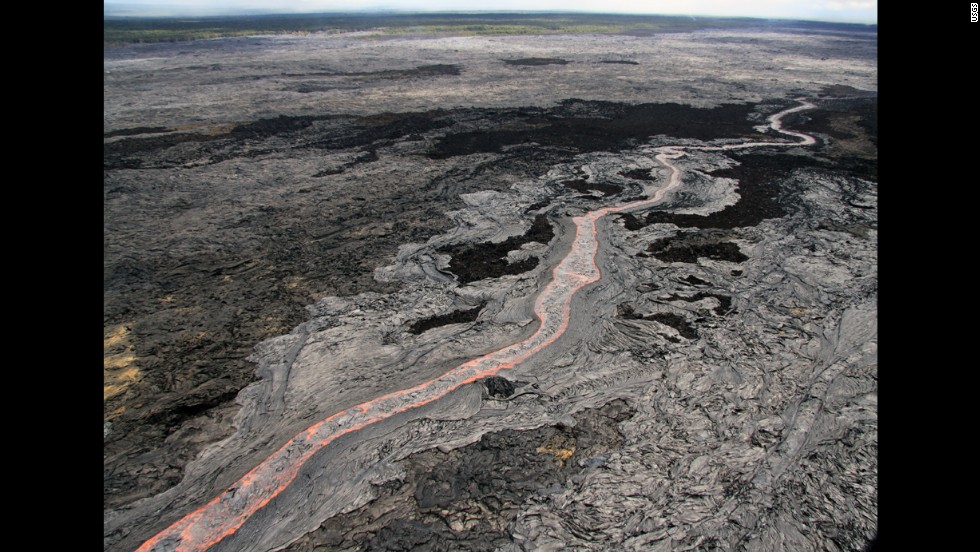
x=224 y=514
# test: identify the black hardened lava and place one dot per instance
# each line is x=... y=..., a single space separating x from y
x=489 y=260
x=534 y=61
x=576 y=126
x=863 y=110
x=499 y=387
x=688 y=248
x=135 y=131
x=244 y=140
x=587 y=126
x=676 y=321
x=637 y=174
x=760 y=186
x=761 y=176
x=455 y=317
x=390 y=74
x=584 y=186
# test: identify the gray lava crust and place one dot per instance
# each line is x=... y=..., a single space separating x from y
x=286 y=238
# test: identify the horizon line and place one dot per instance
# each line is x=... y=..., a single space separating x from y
x=150 y=14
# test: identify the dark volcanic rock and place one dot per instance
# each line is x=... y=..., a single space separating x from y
x=577 y=126
x=695 y=281
x=406 y=534
x=266 y=136
x=631 y=222
x=134 y=131
x=489 y=260
x=455 y=317
x=676 y=321
x=586 y=126
x=759 y=185
x=466 y=499
x=688 y=248
x=537 y=205
x=535 y=61
x=835 y=118
x=761 y=176
x=422 y=71
x=499 y=387
x=583 y=185
x=638 y=174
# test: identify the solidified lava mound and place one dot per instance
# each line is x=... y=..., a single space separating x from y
x=535 y=61
x=489 y=260
x=688 y=248
x=465 y=499
x=455 y=317
x=420 y=71
x=631 y=222
x=638 y=174
x=695 y=281
x=499 y=387
x=134 y=131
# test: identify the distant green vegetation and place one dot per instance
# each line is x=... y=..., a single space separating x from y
x=166 y=29
x=123 y=30
x=117 y=36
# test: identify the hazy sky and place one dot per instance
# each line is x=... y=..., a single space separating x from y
x=858 y=11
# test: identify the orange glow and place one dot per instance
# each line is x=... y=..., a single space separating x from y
x=227 y=512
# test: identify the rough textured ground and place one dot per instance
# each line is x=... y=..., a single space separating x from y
x=282 y=218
